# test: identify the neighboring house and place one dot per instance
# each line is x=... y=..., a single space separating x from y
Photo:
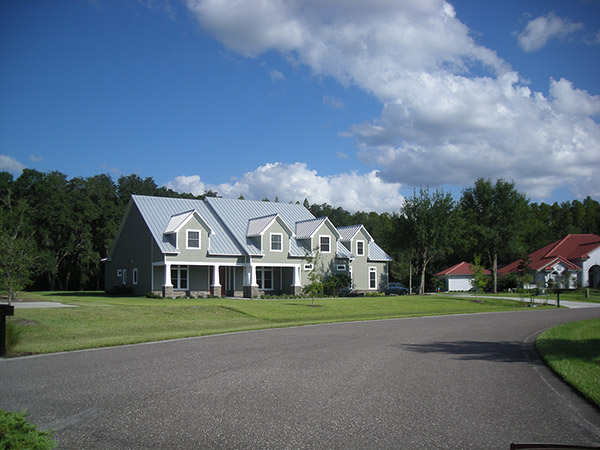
x=457 y=277
x=180 y=247
x=571 y=262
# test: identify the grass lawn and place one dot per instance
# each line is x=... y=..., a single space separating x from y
x=573 y=351
x=100 y=321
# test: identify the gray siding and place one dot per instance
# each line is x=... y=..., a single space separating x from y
x=132 y=251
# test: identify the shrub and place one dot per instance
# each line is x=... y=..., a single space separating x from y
x=334 y=284
x=13 y=335
x=17 y=433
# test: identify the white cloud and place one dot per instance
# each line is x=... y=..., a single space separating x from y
x=336 y=103
x=10 y=164
x=295 y=182
x=540 y=30
x=276 y=75
x=440 y=123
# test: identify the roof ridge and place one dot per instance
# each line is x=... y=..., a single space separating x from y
x=558 y=244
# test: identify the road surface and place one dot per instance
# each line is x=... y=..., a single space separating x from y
x=448 y=382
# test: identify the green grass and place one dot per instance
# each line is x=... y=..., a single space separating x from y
x=100 y=321
x=573 y=351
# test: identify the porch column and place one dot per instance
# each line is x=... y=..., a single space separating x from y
x=215 y=287
x=250 y=285
x=297 y=283
x=167 y=285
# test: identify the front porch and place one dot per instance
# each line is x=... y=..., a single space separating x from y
x=201 y=280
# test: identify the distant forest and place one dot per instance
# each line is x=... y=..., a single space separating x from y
x=70 y=223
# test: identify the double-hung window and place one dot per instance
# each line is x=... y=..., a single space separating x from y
x=372 y=277
x=193 y=239
x=360 y=248
x=179 y=277
x=276 y=242
x=325 y=244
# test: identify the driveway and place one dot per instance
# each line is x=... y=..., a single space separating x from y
x=448 y=382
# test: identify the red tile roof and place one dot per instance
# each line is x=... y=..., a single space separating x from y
x=568 y=250
x=459 y=269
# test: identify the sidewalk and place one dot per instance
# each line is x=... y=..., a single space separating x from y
x=28 y=305
x=542 y=301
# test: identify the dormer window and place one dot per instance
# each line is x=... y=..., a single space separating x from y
x=276 y=242
x=193 y=239
x=325 y=244
x=360 y=248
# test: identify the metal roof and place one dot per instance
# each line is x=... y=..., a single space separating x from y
x=376 y=253
x=232 y=222
x=158 y=212
x=237 y=213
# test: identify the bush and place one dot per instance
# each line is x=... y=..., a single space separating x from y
x=314 y=289
x=17 y=433
x=334 y=284
x=13 y=335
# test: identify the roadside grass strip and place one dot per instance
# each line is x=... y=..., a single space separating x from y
x=100 y=321
x=572 y=350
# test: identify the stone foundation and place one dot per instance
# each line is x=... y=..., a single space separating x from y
x=251 y=292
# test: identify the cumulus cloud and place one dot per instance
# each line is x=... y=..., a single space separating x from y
x=295 y=182
x=452 y=110
x=11 y=165
x=540 y=30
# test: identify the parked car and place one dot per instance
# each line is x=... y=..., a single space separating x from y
x=396 y=289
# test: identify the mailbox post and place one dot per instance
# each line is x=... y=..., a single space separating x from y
x=5 y=310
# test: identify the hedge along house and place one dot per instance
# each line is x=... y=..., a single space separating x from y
x=181 y=247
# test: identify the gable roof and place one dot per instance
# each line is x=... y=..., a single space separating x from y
x=237 y=213
x=179 y=220
x=163 y=213
x=348 y=233
x=232 y=224
x=568 y=250
x=462 y=268
x=306 y=229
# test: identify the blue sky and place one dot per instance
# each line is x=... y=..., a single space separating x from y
x=346 y=102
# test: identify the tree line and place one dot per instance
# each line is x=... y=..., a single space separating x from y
x=58 y=228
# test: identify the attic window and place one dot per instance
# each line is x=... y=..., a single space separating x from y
x=360 y=248
x=325 y=244
x=276 y=242
x=193 y=239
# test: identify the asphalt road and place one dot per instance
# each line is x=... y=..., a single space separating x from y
x=452 y=382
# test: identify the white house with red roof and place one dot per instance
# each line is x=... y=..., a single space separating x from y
x=571 y=262
x=457 y=277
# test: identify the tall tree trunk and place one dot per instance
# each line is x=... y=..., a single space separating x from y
x=424 y=267
x=410 y=278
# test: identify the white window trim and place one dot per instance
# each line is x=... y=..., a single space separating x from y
x=177 y=284
x=187 y=239
x=119 y=273
x=328 y=240
x=308 y=267
x=271 y=242
x=341 y=267
x=372 y=270
x=134 y=276
x=358 y=253
x=124 y=279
